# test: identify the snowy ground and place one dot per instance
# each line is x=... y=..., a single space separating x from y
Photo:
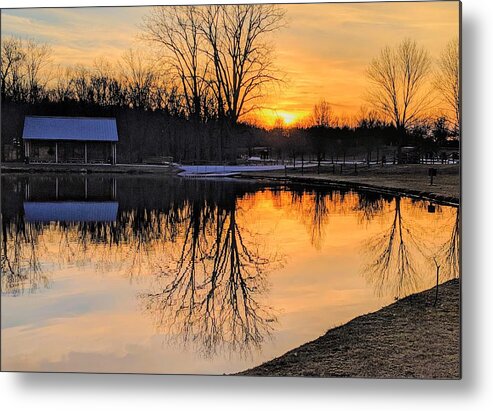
x=223 y=170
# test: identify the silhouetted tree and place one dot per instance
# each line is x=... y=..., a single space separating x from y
x=37 y=60
x=12 y=59
x=398 y=89
x=322 y=115
x=447 y=82
x=177 y=30
x=241 y=56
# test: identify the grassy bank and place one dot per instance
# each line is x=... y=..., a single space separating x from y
x=409 y=179
x=412 y=338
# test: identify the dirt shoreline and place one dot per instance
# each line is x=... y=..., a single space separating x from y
x=411 y=338
x=400 y=180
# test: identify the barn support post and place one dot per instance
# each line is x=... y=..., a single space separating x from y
x=26 y=149
x=56 y=151
x=113 y=145
x=85 y=153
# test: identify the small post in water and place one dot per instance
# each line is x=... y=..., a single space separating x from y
x=436 y=289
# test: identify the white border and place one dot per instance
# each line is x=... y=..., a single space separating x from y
x=88 y=392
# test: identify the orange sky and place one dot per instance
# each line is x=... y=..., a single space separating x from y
x=324 y=50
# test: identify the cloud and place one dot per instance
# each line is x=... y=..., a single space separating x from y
x=323 y=50
x=77 y=35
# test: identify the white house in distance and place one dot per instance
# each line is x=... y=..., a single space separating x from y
x=78 y=140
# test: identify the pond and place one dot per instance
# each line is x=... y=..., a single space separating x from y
x=173 y=275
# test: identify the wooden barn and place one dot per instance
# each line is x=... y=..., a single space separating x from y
x=78 y=140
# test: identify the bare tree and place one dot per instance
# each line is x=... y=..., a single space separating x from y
x=62 y=90
x=12 y=60
x=177 y=30
x=322 y=114
x=101 y=80
x=81 y=83
x=137 y=72
x=241 y=56
x=368 y=124
x=37 y=61
x=398 y=90
x=447 y=81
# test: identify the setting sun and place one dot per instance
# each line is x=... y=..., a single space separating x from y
x=273 y=118
x=287 y=118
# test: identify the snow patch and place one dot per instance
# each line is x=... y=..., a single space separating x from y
x=219 y=170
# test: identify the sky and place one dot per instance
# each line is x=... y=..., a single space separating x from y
x=323 y=51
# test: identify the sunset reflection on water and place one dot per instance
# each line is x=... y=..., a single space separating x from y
x=199 y=276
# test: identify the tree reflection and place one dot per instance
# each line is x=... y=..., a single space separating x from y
x=449 y=252
x=369 y=205
x=211 y=294
x=314 y=208
x=319 y=219
x=394 y=254
x=20 y=265
x=207 y=269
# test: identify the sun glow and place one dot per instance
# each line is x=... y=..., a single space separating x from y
x=287 y=118
x=279 y=118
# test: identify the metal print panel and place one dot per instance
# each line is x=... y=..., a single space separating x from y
x=253 y=189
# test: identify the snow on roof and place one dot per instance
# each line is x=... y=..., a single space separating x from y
x=70 y=128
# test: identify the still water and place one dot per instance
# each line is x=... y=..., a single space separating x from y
x=173 y=275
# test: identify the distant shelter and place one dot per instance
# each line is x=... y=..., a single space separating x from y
x=77 y=140
x=261 y=152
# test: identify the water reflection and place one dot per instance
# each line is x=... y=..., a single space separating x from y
x=404 y=251
x=313 y=207
x=200 y=251
x=449 y=253
x=20 y=266
x=210 y=292
x=393 y=265
x=370 y=205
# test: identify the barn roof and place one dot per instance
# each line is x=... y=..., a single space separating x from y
x=70 y=128
x=70 y=211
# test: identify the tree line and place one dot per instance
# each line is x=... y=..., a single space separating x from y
x=208 y=71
